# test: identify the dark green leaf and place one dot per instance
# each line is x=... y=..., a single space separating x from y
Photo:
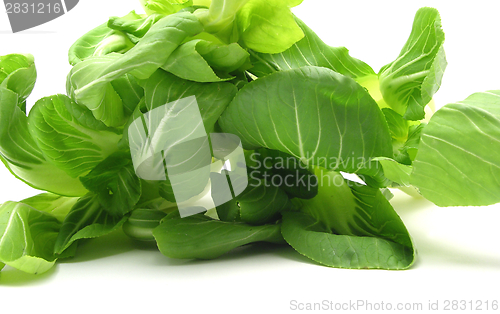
x=309 y=238
x=199 y=236
x=115 y=183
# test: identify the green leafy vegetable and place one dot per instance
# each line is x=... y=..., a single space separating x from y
x=27 y=237
x=87 y=219
x=18 y=149
x=410 y=81
x=115 y=183
x=202 y=237
x=249 y=22
x=134 y=144
x=460 y=135
x=69 y=136
x=358 y=230
x=203 y=61
x=89 y=82
x=56 y=205
x=105 y=38
x=312 y=104
x=141 y=223
x=310 y=51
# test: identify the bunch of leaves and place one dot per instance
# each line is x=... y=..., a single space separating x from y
x=260 y=73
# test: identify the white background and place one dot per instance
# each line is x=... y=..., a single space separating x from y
x=459 y=254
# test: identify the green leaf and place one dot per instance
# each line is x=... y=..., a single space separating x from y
x=284 y=171
x=409 y=82
x=312 y=113
x=138 y=26
x=129 y=91
x=56 y=205
x=398 y=126
x=18 y=150
x=249 y=22
x=87 y=219
x=27 y=238
x=89 y=82
x=258 y=204
x=457 y=163
x=408 y=151
x=103 y=39
x=258 y=17
x=158 y=128
x=395 y=171
x=229 y=211
x=115 y=183
x=165 y=7
x=348 y=225
x=310 y=51
x=212 y=99
x=69 y=136
x=202 y=61
x=199 y=236
x=18 y=74
x=312 y=240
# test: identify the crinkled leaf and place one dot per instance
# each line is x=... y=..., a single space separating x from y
x=310 y=51
x=18 y=74
x=89 y=82
x=199 y=236
x=457 y=163
x=87 y=219
x=138 y=27
x=69 y=136
x=27 y=238
x=18 y=149
x=102 y=40
x=410 y=81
